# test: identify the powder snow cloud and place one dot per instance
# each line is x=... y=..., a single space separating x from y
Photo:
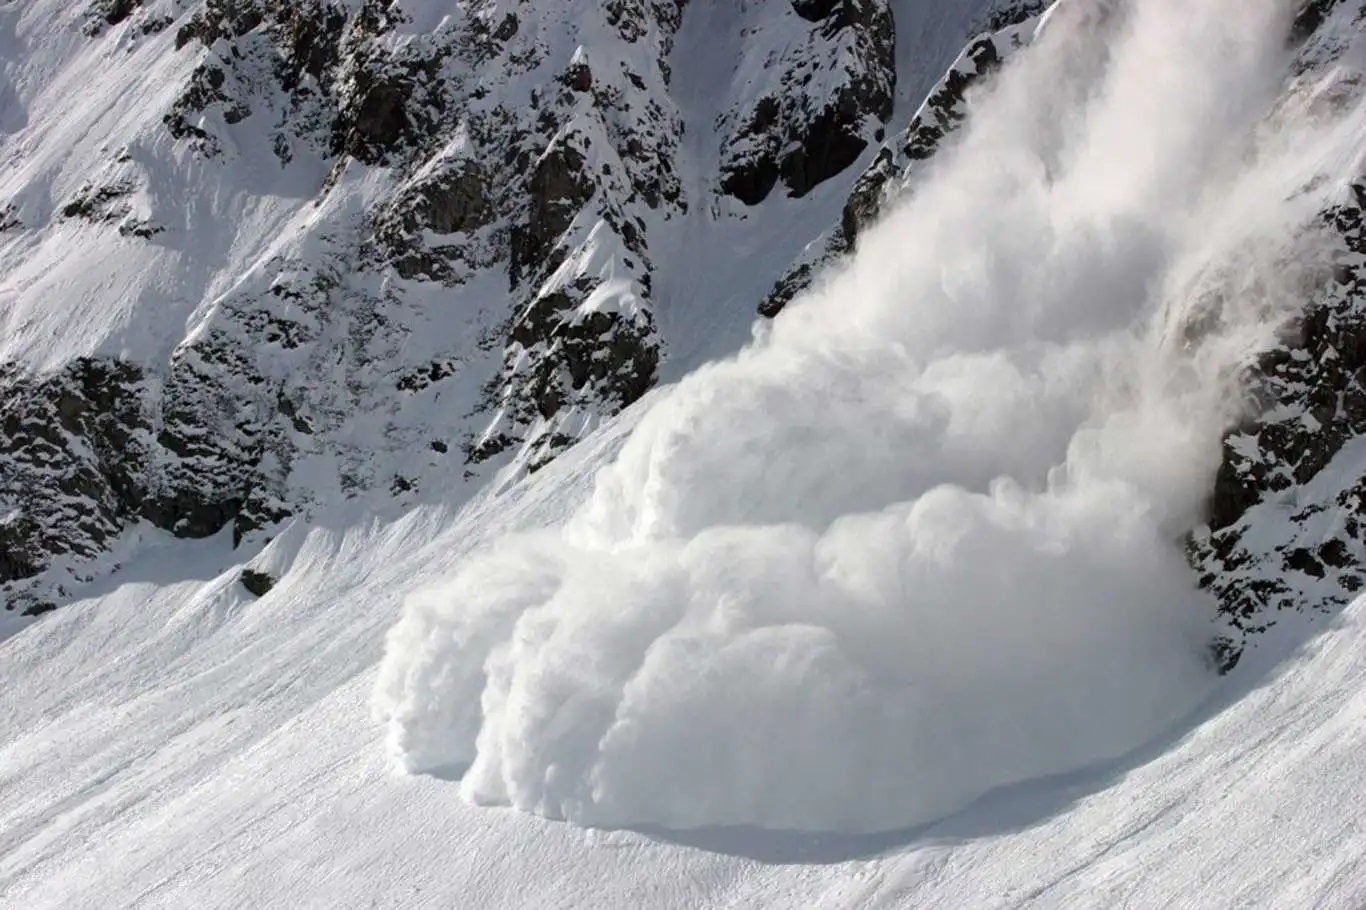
x=922 y=538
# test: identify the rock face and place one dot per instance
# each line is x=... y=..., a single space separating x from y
x=509 y=156
x=468 y=283
x=832 y=98
x=1287 y=529
x=96 y=448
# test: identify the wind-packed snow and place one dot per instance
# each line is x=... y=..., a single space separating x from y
x=924 y=538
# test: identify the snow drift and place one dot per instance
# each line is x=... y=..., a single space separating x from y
x=923 y=537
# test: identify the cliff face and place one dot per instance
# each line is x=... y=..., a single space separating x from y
x=261 y=257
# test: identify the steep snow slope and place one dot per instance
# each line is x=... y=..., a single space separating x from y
x=791 y=624
x=227 y=758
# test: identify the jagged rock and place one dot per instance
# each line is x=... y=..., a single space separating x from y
x=103 y=203
x=578 y=355
x=558 y=189
x=257 y=583
x=376 y=110
x=74 y=467
x=823 y=115
x=140 y=227
x=942 y=113
x=1311 y=392
x=87 y=452
x=105 y=13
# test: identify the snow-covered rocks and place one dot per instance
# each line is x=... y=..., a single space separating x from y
x=821 y=85
x=391 y=246
x=893 y=170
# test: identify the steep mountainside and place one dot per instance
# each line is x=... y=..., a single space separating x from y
x=259 y=257
x=657 y=453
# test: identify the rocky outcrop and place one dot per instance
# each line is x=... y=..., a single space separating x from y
x=1310 y=18
x=833 y=97
x=943 y=111
x=1287 y=529
x=90 y=451
x=534 y=174
x=258 y=584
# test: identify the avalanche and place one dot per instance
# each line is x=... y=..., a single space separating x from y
x=888 y=609
x=923 y=538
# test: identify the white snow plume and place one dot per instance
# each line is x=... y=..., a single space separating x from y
x=922 y=538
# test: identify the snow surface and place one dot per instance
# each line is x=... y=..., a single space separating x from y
x=802 y=626
x=224 y=757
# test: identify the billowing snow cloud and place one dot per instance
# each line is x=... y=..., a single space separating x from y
x=923 y=538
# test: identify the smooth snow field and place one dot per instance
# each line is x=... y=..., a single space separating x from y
x=888 y=609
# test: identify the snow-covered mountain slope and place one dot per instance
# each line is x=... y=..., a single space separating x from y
x=920 y=598
x=225 y=756
x=261 y=256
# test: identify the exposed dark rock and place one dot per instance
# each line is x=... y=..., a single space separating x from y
x=385 y=102
x=205 y=88
x=308 y=37
x=1312 y=401
x=221 y=19
x=103 y=203
x=139 y=227
x=1310 y=18
x=815 y=10
x=946 y=108
x=258 y=583
x=73 y=459
x=559 y=187
x=507 y=28
x=579 y=76
x=751 y=180
x=432 y=373
x=787 y=288
x=611 y=358
x=115 y=11
x=823 y=117
x=944 y=112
